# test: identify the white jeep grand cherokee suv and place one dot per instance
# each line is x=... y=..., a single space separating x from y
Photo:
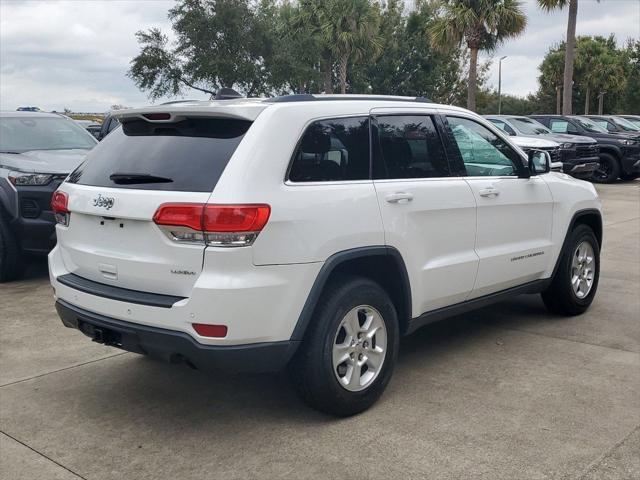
x=311 y=231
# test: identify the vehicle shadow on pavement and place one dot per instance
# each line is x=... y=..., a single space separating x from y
x=130 y=387
x=36 y=268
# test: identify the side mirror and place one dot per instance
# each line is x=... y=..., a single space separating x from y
x=539 y=162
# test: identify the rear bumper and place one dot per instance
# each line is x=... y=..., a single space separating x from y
x=257 y=304
x=176 y=347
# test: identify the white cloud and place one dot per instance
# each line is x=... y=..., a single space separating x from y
x=520 y=70
x=56 y=54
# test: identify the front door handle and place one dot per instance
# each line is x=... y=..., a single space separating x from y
x=489 y=192
x=399 y=197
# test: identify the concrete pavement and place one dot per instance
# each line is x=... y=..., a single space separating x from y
x=507 y=392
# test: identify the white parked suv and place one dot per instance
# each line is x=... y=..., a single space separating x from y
x=311 y=231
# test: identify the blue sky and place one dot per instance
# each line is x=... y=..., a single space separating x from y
x=75 y=54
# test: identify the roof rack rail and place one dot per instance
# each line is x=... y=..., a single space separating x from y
x=307 y=97
x=172 y=102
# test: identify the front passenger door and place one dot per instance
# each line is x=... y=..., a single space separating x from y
x=514 y=214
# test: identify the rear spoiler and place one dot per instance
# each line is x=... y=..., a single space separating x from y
x=245 y=110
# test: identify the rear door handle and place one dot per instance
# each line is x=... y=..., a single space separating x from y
x=489 y=192
x=399 y=197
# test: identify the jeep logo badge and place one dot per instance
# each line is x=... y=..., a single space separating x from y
x=106 y=202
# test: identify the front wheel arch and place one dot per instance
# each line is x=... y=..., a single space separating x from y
x=590 y=217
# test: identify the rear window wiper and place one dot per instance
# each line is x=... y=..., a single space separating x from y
x=133 y=178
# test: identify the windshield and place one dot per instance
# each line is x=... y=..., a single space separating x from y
x=23 y=134
x=634 y=121
x=589 y=125
x=528 y=126
x=625 y=124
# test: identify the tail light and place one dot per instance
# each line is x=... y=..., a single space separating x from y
x=59 y=205
x=214 y=225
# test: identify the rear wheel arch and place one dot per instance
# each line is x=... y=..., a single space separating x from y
x=382 y=264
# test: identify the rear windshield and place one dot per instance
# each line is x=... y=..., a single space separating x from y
x=188 y=156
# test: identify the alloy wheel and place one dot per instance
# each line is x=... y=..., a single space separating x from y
x=582 y=269
x=359 y=348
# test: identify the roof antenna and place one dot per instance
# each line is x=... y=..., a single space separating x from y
x=227 y=94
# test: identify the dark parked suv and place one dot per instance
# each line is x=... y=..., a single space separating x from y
x=615 y=124
x=37 y=152
x=109 y=124
x=580 y=155
x=619 y=152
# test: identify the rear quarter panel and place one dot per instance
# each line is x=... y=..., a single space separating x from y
x=309 y=221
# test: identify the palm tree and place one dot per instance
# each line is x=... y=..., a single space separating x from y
x=482 y=24
x=346 y=29
x=569 y=52
x=349 y=29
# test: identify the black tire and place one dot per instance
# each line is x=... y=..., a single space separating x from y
x=560 y=297
x=11 y=260
x=629 y=176
x=312 y=369
x=608 y=171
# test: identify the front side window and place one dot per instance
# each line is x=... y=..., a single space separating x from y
x=482 y=151
x=410 y=147
x=604 y=124
x=590 y=126
x=333 y=150
x=625 y=124
x=503 y=126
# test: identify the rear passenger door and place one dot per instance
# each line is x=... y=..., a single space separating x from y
x=514 y=213
x=428 y=214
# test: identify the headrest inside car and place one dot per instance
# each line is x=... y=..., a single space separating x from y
x=316 y=142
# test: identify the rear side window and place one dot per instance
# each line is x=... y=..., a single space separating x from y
x=333 y=150
x=410 y=147
x=188 y=156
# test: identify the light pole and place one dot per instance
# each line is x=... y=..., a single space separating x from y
x=500 y=84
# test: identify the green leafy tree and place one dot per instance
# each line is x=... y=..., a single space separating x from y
x=600 y=67
x=344 y=29
x=551 y=80
x=569 y=58
x=294 y=63
x=410 y=65
x=481 y=24
x=628 y=101
x=511 y=104
x=220 y=43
